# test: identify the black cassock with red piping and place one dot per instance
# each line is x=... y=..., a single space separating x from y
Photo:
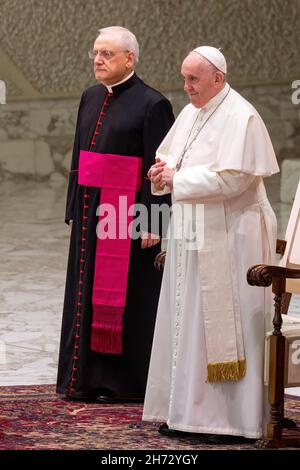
x=130 y=120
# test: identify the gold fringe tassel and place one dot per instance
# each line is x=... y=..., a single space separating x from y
x=221 y=371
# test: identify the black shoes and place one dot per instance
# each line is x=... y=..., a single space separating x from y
x=166 y=431
x=115 y=400
x=84 y=398
x=222 y=439
x=217 y=439
x=104 y=399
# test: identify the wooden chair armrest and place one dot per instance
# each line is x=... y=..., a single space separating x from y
x=263 y=274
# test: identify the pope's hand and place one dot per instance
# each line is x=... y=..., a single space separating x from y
x=167 y=177
x=155 y=174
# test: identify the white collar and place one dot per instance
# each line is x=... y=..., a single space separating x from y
x=110 y=87
x=216 y=100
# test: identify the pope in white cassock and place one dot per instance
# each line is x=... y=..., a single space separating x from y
x=206 y=369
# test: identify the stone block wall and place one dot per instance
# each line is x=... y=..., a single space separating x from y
x=36 y=139
x=44 y=64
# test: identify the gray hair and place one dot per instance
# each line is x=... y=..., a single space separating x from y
x=127 y=38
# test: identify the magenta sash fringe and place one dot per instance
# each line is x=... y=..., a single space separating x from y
x=117 y=176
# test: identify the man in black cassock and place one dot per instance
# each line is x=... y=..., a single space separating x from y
x=105 y=358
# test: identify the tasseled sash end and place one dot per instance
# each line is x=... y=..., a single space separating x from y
x=106 y=334
x=222 y=371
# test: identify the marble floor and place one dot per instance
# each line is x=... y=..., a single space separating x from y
x=33 y=252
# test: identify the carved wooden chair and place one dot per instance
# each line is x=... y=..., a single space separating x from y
x=279 y=355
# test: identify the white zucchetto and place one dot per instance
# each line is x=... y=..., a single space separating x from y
x=214 y=56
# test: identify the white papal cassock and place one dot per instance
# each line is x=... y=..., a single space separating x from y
x=227 y=152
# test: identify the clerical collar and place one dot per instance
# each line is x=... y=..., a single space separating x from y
x=216 y=100
x=110 y=87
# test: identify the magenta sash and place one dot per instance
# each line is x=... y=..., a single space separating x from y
x=117 y=176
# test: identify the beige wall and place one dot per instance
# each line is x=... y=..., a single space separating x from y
x=43 y=61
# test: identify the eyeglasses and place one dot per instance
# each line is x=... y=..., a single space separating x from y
x=106 y=55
